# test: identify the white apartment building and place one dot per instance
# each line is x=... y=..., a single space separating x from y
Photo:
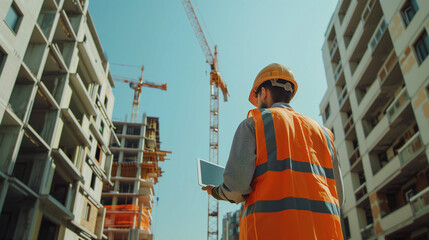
x=377 y=104
x=56 y=106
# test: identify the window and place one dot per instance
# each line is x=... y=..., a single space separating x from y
x=2 y=60
x=99 y=89
x=327 y=112
x=13 y=17
x=87 y=210
x=101 y=127
x=422 y=47
x=98 y=153
x=346 y=228
x=409 y=10
x=93 y=178
x=106 y=101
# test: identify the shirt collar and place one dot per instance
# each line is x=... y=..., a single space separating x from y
x=282 y=105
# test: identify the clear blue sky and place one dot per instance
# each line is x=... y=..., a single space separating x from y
x=249 y=35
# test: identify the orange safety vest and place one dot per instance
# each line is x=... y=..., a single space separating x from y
x=294 y=193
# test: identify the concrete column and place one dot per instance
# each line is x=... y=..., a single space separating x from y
x=379 y=205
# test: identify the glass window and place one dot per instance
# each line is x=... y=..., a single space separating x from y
x=101 y=127
x=93 y=178
x=106 y=101
x=2 y=60
x=422 y=47
x=347 y=234
x=13 y=18
x=88 y=208
x=327 y=112
x=409 y=10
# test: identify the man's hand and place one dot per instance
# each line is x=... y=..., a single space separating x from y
x=208 y=189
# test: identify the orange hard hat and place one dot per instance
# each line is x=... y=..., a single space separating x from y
x=272 y=71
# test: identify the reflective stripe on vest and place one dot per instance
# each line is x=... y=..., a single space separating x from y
x=301 y=181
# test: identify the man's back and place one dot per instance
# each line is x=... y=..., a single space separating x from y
x=294 y=194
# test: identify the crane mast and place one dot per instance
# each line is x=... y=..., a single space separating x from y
x=216 y=82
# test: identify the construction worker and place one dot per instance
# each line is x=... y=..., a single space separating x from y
x=283 y=165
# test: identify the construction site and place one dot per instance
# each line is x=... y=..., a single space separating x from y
x=80 y=121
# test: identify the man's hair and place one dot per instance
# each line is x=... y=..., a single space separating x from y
x=278 y=94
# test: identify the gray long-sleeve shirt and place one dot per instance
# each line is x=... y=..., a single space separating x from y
x=241 y=165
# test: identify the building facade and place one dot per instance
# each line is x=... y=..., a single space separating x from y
x=56 y=106
x=377 y=105
x=129 y=198
x=230 y=225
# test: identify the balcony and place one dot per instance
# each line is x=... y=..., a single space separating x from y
x=61 y=159
x=352 y=19
x=375 y=133
x=146 y=196
x=420 y=202
x=398 y=216
x=361 y=192
x=354 y=157
x=82 y=93
x=366 y=68
x=338 y=71
x=334 y=53
x=388 y=79
x=388 y=66
x=369 y=19
x=334 y=47
x=371 y=12
x=385 y=173
x=398 y=105
x=343 y=96
x=368 y=232
x=70 y=119
x=412 y=148
x=55 y=207
x=376 y=37
x=348 y=128
x=344 y=9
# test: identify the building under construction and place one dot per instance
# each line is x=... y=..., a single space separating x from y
x=377 y=106
x=56 y=105
x=135 y=171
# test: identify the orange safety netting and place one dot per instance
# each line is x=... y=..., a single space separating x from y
x=126 y=219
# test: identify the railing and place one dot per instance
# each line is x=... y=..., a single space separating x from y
x=377 y=34
x=343 y=96
x=354 y=156
x=367 y=231
x=333 y=47
x=350 y=123
x=338 y=71
x=387 y=66
x=360 y=191
x=397 y=105
x=410 y=149
x=368 y=8
x=420 y=202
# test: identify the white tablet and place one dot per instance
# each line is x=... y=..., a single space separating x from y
x=209 y=173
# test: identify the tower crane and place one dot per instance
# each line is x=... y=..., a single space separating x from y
x=216 y=82
x=137 y=86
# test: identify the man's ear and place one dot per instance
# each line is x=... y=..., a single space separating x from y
x=263 y=93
